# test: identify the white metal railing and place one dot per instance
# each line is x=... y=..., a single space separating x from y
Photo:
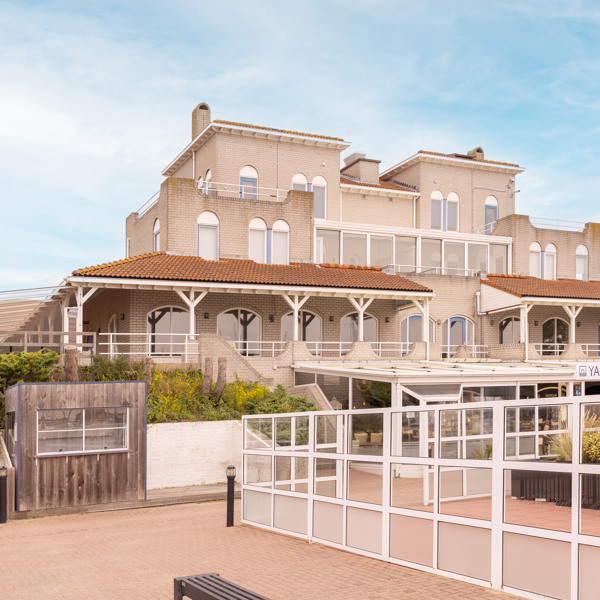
x=248 y=192
x=550 y=349
x=182 y=346
x=460 y=271
x=475 y=350
x=262 y=349
x=559 y=224
x=32 y=341
x=328 y=349
x=391 y=349
x=486 y=229
x=591 y=349
x=474 y=483
x=148 y=204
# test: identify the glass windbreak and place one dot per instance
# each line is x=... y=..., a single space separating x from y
x=329 y=477
x=382 y=250
x=367 y=393
x=366 y=434
x=406 y=254
x=413 y=433
x=328 y=246
x=431 y=255
x=291 y=433
x=259 y=433
x=489 y=393
x=466 y=433
x=412 y=486
x=355 y=249
x=291 y=473
x=329 y=434
x=365 y=481
x=466 y=492
x=538 y=432
x=590 y=434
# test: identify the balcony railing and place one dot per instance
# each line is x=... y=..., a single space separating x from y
x=246 y=192
x=329 y=349
x=474 y=350
x=32 y=341
x=558 y=224
x=486 y=229
x=182 y=346
x=591 y=349
x=262 y=349
x=550 y=349
x=391 y=349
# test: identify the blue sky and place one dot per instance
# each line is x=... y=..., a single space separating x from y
x=95 y=99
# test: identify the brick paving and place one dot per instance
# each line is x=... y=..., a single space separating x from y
x=134 y=554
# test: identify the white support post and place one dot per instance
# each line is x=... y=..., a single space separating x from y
x=572 y=311
x=524 y=326
x=191 y=303
x=423 y=306
x=296 y=303
x=65 y=322
x=361 y=304
x=81 y=299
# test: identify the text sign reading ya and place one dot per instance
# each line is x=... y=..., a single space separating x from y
x=588 y=370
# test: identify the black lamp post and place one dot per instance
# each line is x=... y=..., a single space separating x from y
x=230 y=490
x=3 y=498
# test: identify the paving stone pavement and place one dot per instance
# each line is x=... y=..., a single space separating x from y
x=133 y=554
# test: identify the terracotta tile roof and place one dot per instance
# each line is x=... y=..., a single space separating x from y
x=465 y=157
x=388 y=185
x=175 y=267
x=520 y=285
x=325 y=137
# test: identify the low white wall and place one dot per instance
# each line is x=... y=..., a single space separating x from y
x=181 y=454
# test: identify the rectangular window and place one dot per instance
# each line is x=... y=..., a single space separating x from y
x=406 y=254
x=581 y=267
x=355 y=249
x=478 y=258
x=280 y=248
x=81 y=430
x=498 y=259
x=382 y=250
x=436 y=214
x=550 y=266
x=319 y=199
x=248 y=188
x=454 y=258
x=257 y=245
x=207 y=242
x=452 y=216
x=431 y=255
x=328 y=247
x=535 y=264
x=491 y=216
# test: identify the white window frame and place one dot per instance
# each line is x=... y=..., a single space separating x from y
x=258 y=224
x=208 y=220
x=320 y=182
x=582 y=253
x=125 y=448
x=535 y=248
x=279 y=227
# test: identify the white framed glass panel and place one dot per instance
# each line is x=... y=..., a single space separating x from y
x=454 y=258
x=309 y=327
x=510 y=330
x=319 y=188
x=355 y=249
x=406 y=254
x=328 y=247
x=382 y=250
x=431 y=255
x=498 y=259
x=478 y=258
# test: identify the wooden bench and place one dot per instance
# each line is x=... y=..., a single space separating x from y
x=209 y=586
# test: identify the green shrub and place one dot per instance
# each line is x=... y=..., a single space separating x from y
x=114 y=369
x=590 y=446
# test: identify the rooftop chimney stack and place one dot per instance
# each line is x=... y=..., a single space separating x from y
x=476 y=153
x=200 y=119
x=358 y=166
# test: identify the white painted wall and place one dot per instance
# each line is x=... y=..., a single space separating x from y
x=181 y=454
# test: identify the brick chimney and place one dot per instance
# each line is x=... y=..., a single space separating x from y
x=200 y=119
x=358 y=166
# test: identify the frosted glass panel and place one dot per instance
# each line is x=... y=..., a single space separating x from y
x=411 y=539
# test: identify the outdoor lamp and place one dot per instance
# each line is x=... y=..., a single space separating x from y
x=230 y=471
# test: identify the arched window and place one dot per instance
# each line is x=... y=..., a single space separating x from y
x=349 y=328
x=581 y=263
x=300 y=183
x=249 y=183
x=437 y=209
x=535 y=260
x=555 y=336
x=319 y=188
x=242 y=327
x=309 y=327
x=452 y=212
x=456 y=331
x=549 y=262
x=280 y=250
x=411 y=329
x=208 y=236
x=491 y=213
x=156 y=242
x=257 y=241
x=168 y=327
x=510 y=330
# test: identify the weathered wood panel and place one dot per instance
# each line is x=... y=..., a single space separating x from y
x=79 y=479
